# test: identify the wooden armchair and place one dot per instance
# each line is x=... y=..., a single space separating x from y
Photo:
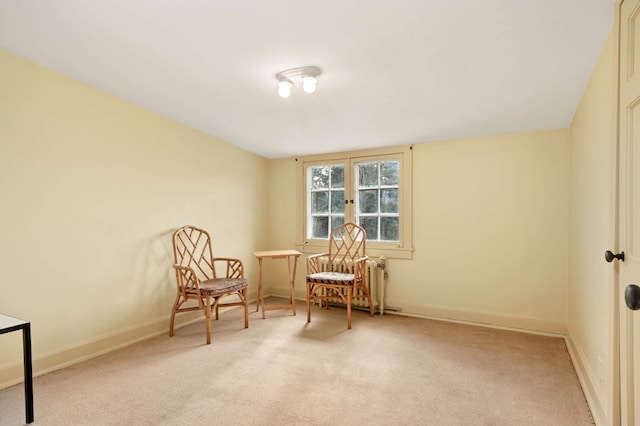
x=340 y=272
x=197 y=279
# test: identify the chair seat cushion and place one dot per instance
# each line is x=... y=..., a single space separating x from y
x=331 y=278
x=219 y=286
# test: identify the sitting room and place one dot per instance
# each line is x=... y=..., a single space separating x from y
x=480 y=147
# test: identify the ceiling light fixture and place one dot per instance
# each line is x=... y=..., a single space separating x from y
x=305 y=76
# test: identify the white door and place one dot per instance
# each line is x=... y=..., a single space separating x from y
x=629 y=210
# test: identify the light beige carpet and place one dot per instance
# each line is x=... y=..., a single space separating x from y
x=389 y=370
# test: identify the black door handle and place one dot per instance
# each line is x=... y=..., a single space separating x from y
x=609 y=256
x=632 y=297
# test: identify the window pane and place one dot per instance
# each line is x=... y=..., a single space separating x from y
x=389 y=201
x=370 y=225
x=389 y=173
x=389 y=229
x=337 y=201
x=337 y=176
x=367 y=174
x=368 y=201
x=320 y=227
x=336 y=221
x=320 y=202
x=320 y=177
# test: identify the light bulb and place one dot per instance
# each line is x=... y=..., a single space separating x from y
x=309 y=84
x=284 y=89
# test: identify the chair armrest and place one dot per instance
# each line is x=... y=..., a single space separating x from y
x=186 y=279
x=235 y=267
x=313 y=263
x=359 y=266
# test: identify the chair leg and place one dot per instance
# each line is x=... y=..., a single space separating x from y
x=308 y=302
x=207 y=314
x=173 y=315
x=246 y=309
x=349 y=308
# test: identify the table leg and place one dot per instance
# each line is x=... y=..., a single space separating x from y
x=260 y=301
x=292 y=277
x=28 y=372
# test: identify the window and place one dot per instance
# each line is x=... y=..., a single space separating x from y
x=371 y=188
x=377 y=191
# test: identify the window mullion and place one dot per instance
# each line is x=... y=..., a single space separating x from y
x=350 y=193
x=328 y=229
x=379 y=202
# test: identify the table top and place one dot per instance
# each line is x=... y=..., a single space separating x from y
x=276 y=253
x=8 y=323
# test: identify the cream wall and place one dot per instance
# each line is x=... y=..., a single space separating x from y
x=591 y=290
x=91 y=189
x=490 y=231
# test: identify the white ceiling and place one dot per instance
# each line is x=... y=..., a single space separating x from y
x=393 y=72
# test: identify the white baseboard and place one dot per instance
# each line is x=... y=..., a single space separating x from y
x=481 y=318
x=596 y=401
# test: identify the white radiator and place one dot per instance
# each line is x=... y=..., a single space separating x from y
x=374 y=277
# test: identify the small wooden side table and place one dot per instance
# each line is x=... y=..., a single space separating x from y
x=7 y=325
x=292 y=257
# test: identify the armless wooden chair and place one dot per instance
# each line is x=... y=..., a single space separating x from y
x=341 y=271
x=197 y=278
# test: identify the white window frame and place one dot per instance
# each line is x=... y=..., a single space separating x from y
x=402 y=249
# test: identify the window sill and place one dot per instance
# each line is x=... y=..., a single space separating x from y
x=373 y=252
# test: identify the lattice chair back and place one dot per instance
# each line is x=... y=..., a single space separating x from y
x=192 y=248
x=346 y=244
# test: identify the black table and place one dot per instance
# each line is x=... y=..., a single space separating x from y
x=7 y=325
